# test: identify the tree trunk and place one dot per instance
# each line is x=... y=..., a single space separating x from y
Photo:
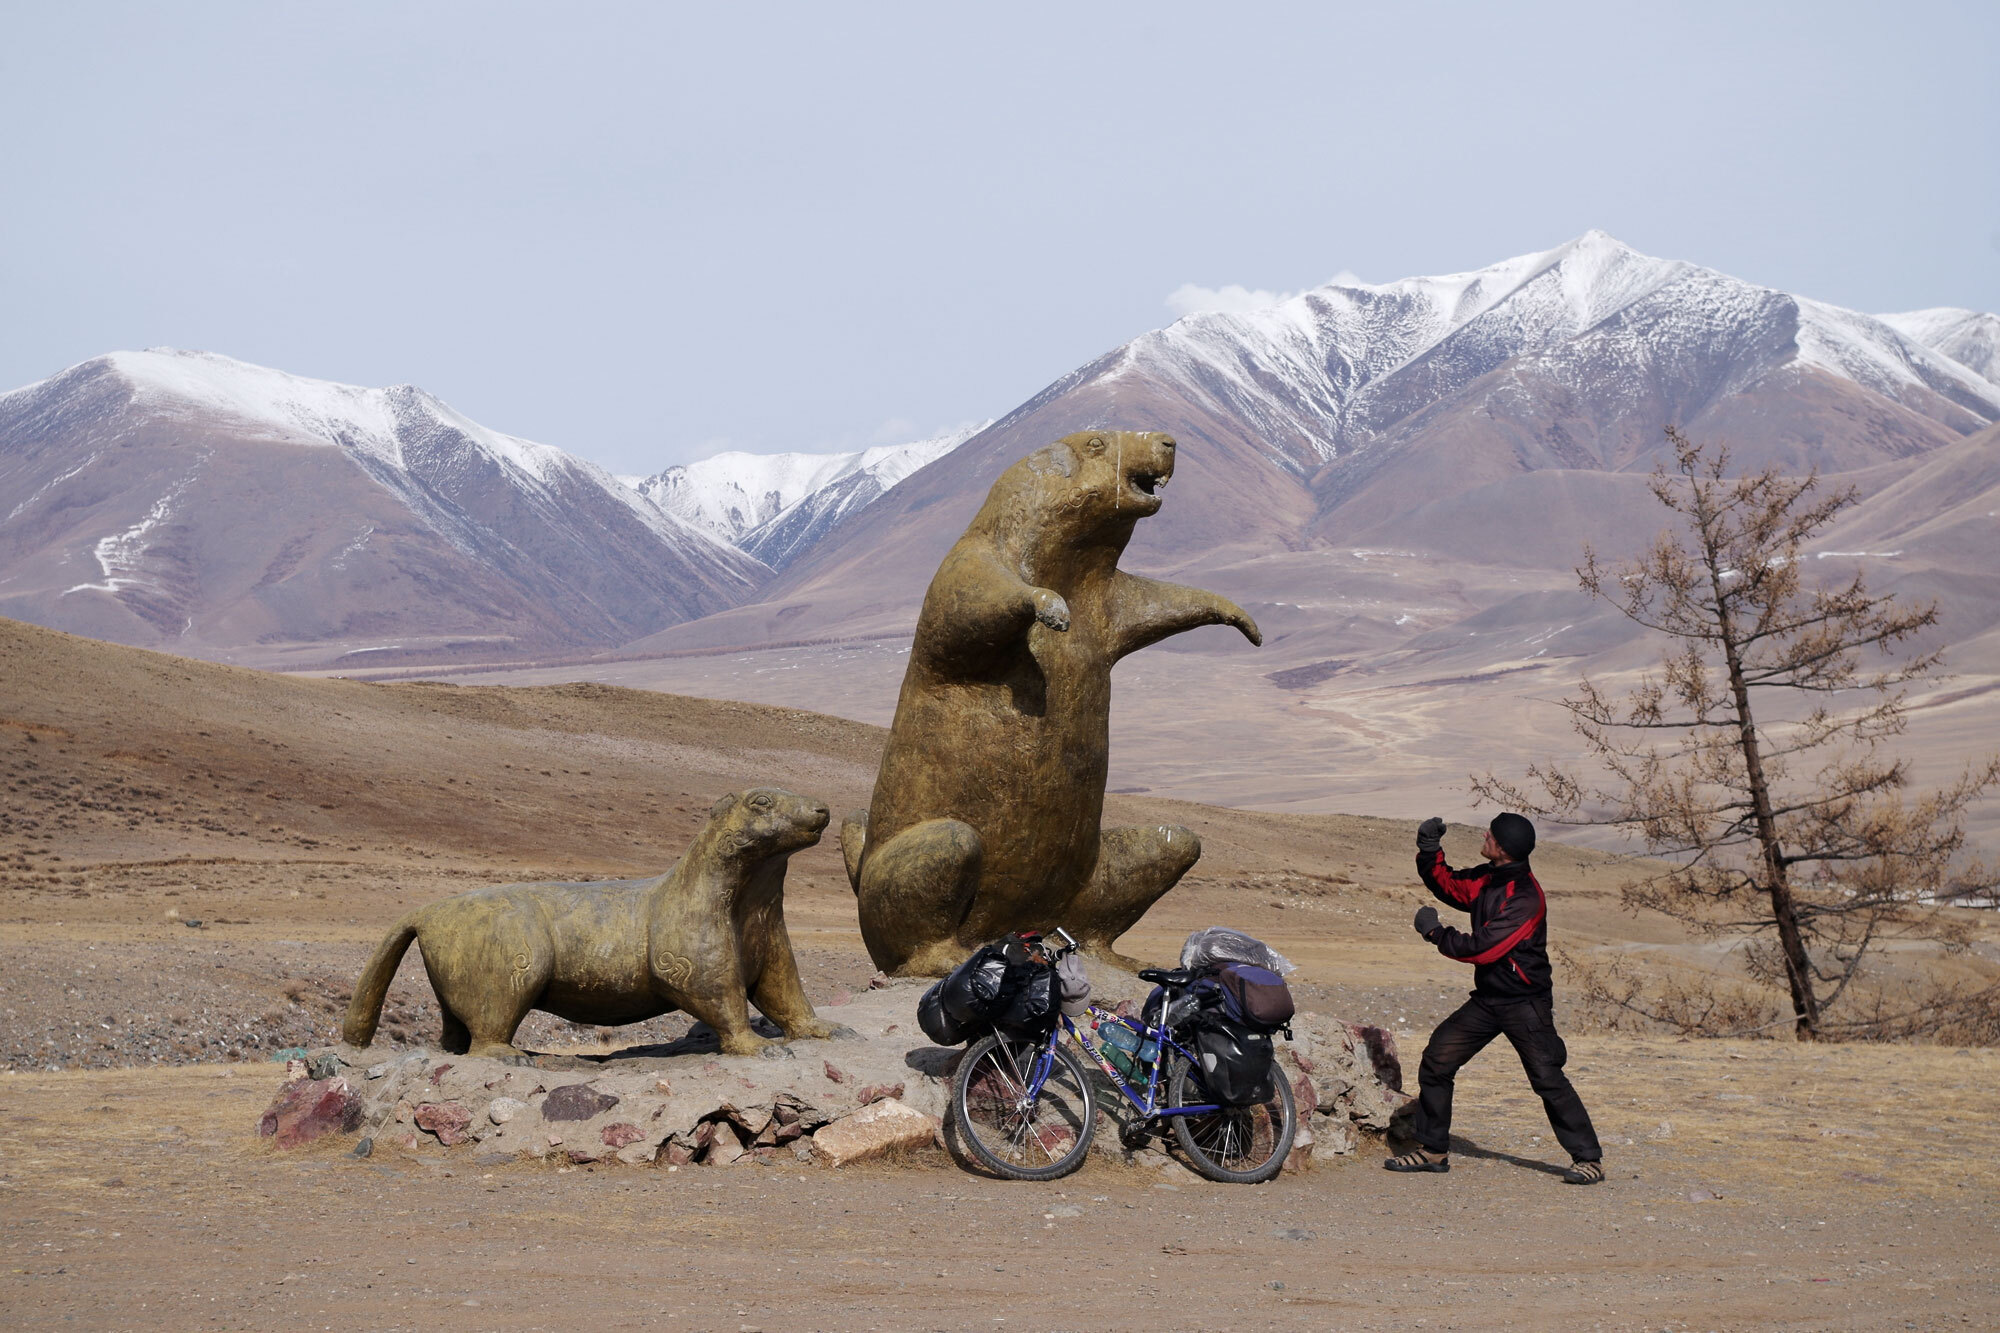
x=1777 y=883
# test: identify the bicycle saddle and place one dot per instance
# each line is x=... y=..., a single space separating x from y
x=1163 y=976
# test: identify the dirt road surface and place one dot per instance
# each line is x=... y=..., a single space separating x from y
x=138 y=1199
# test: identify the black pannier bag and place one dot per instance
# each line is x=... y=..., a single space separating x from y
x=1030 y=994
x=1236 y=1066
x=1229 y=1017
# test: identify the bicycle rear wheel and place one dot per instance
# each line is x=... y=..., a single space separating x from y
x=1239 y=1145
x=1010 y=1134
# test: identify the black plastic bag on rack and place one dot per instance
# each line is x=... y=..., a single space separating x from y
x=937 y=1024
x=971 y=994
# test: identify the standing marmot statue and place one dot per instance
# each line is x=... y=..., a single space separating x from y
x=707 y=937
x=986 y=811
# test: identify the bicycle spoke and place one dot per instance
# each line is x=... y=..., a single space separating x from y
x=1243 y=1144
x=1040 y=1136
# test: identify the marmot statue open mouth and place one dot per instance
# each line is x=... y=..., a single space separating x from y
x=986 y=811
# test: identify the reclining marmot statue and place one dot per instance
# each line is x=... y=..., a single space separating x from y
x=707 y=937
x=986 y=811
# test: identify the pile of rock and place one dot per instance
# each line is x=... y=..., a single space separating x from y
x=882 y=1090
x=1345 y=1077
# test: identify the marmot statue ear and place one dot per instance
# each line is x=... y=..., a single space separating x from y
x=1095 y=447
x=1057 y=458
x=722 y=807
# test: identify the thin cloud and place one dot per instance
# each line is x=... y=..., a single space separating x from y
x=1235 y=299
x=1192 y=298
x=896 y=430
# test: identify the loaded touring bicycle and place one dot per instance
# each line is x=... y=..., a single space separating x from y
x=1197 y=1063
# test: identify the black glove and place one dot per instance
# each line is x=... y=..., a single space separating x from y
x=1430 y=834
x=1427 y=921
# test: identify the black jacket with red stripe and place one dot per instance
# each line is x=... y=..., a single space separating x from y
x=1509 y=944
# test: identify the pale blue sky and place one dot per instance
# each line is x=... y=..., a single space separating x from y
x=646 y=232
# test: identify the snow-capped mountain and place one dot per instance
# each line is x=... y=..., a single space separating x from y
x=776 y=505
x=406 y=438
x=799 y=526
x=1502 y=415
x=728 y=494
x=1327 y=373
x=1968 y=337
x=186 y=499
x=1497 y=417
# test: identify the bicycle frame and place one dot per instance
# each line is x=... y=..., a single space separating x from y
x=1147 y=1106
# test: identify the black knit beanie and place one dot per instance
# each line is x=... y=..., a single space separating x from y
x=1515 y=834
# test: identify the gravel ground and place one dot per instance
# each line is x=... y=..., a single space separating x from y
x=210 y=998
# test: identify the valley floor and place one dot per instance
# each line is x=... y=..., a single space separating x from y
x=1852 y=1188
x=191 y=885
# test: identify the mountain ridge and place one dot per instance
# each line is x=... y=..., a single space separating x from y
x=1341 y=412
x=161 y=497
x=187 y=500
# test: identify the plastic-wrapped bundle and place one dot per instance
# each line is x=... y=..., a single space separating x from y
x=1208 y=949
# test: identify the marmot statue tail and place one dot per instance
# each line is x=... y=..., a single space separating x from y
x=364 y=1011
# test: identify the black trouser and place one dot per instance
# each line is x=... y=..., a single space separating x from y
x=1528 y=1024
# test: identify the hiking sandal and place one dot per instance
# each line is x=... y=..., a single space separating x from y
x=1420 y=1159
x=1584 y=1173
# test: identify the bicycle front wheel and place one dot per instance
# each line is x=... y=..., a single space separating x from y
x=1014 y=1135
x=1239 y=1145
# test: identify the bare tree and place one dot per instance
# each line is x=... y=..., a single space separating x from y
x=1773 y=803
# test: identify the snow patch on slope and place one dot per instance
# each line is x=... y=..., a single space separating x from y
x=121 y=556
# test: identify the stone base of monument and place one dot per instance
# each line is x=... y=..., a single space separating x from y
x=884 y=1089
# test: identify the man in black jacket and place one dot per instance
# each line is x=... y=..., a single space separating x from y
x=1511 y=993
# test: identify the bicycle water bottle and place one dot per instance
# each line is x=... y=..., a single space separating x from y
x=1121 y=1048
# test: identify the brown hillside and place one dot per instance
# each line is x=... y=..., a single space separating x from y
x=297 y=818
